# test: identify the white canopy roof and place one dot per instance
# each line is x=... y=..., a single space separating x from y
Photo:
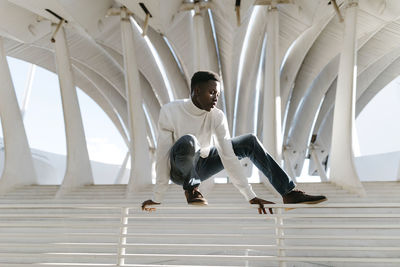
x=310 y=42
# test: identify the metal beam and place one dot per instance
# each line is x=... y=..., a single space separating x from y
x=139 y=149
x=343 y=170
x=79 y=171
x=272 y=132
x=18 y=165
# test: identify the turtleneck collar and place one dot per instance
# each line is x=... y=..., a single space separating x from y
x=193 y=109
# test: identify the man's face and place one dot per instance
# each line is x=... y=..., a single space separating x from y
x=206 y=95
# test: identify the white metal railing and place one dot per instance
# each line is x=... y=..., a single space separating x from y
x=122 y=234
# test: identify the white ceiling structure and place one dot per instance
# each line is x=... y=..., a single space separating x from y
x=310 y=37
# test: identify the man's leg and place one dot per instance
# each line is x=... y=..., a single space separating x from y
x=249 y=146
x=184 y=155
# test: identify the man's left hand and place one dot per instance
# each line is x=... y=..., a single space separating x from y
x=261 y=203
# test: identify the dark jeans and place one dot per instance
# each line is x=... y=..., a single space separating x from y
x=189 y=169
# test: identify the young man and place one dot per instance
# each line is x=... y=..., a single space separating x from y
x=185 y=155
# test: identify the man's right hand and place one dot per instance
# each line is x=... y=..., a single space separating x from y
x=148 y=203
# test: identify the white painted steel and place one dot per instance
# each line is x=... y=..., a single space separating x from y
x=317 y=162
x=18 y=167
x=122 y=170
x=106 y=229
x=78 y=171
x=139 y=149
x=341 y=162
x=309 y=38
x=28 y=89
x=272 y=133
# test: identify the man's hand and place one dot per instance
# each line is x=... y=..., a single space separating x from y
x=261 y=203
x=148 y=203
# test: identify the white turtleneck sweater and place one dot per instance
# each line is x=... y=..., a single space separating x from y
x=182 y=117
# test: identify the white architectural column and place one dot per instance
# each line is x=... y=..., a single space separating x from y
x=79 y=171
x=18 y=163
x=139 y=149
x=342 y=168
x=272 y=129
x=398 y=172
x=199 y=44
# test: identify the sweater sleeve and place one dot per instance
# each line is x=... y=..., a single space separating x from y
x=164 y=143
x=229 y=159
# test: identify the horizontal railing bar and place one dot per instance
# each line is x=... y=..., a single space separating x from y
x=199 y=217
x=269 y=258
x=273 y=226
x=171 y=246
x=207 y=256
x=190 y=207
x=143 y=225
x=59 y=244
x=73 y=264
x=330 y=226
x=350 y=237
x=80 y=216
x=168 y=245
x=336 y=248
x=198 y=246
x=205 y=235
x=59 y=224
x=178 y=235
x=214 y=225
x=257 y=216
x=56 y=234
x=57 y=255
x=47 y=255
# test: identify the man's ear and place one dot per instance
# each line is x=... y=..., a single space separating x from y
x=196 y=90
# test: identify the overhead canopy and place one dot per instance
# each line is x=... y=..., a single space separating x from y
x=310 y=37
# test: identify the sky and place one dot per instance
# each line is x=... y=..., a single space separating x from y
x=44 y=122
x=378 y=127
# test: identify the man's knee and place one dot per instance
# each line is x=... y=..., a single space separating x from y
x=187 y=144
x=251 y=139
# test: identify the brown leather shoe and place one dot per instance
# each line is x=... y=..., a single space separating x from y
x=299 y=197
x=194 y=197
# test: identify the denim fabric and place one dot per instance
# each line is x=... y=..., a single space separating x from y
x=189 y=169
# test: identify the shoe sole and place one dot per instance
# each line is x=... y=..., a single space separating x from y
x=308 y=202
x=198 y=203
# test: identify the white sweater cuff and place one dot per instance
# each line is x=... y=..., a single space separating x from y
x=248 y=193
x=158 y=198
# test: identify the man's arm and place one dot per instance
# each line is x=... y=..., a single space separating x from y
x=164 y=143
x=229 y=159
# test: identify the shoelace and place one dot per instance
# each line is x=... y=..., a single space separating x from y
x=298 y=191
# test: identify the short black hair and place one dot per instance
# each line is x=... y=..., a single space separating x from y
x=201 y=77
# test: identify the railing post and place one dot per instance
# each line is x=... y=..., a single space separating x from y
x=279 y=234
x=122 y=236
